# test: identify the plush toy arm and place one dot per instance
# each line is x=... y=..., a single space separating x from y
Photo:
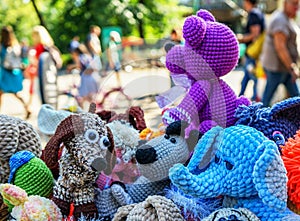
x=120 y=195
x=191 y=104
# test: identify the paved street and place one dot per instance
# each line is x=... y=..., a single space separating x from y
x=136 y=84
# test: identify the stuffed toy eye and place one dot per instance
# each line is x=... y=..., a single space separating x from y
x=278 y=138
x=167 y=136
x=91 y=136
x=217 y=160
x=173 y=140
x=229 y=165
x=104 y=143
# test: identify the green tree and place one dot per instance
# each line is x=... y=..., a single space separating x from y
x=64 y=19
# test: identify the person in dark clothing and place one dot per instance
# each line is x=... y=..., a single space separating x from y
x=255 y=26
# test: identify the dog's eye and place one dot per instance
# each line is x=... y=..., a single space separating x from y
x=91 y=136
x=104 y=143
x=173 y=140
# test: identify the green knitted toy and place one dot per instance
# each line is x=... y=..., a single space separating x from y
x=31 y=174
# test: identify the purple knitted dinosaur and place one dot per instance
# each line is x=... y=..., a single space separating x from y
x=210 y=51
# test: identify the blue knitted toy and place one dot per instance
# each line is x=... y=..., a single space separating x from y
x=278 y=123
x=241 y=164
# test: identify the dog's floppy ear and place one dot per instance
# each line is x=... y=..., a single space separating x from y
x=110 y=154
x=66 y=130
x=177 y=128
x=269 y=176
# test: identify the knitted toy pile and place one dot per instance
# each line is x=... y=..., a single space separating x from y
x=88 y=150
x=242 y=165
x=29 y=208
x=210 y=52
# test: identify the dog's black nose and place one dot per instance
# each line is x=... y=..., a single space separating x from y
x=98 y=164
x=146 y=154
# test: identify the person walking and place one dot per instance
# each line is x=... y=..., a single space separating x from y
x=11 y=74
x=89 y=77
x=93 y=45
x=255 y=26
x=280 y=55
x=113 y=56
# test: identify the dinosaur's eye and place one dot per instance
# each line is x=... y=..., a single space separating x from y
x=104 y=143
x=229 y=165
x=278 y=138
x=91 y=136
x=217 y=159
x=173 y=140
x=167 y=136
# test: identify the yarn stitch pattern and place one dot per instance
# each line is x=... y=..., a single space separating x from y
x=242 y=165
x=210 y=52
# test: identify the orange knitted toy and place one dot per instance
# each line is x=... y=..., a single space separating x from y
x=291 y=159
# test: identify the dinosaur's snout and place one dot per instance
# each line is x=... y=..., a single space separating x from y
x=146 y=154
x=98 y=164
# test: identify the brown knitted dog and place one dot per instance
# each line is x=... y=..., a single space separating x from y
x=88 y=149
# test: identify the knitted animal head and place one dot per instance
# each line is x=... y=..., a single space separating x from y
x=278 y=123
x=238 y=162
x=29 y=208
x=158 y=155
x=87 y=139
x=16 y=135
x=291 y=159
x=31 y=174
x=210 y=50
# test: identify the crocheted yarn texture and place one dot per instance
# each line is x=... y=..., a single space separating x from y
x=210 y=51
x=16 y=135
x=155 y=158
x=88 y=150
x=232 y=214
x=152 y=209
x=291 y=159
x=31 y=174
x=278 y=123
x=29 y=208
x=242 y=165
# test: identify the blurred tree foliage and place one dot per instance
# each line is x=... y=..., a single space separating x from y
x=64 y=19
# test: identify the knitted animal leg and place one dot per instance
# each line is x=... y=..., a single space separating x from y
x=88 y=210
x=62 y=205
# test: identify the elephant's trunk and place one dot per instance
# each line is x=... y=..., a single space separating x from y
x=190 y=184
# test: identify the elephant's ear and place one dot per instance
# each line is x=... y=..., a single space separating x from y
x=205 y=149
x=287 y=109
x=269 y=176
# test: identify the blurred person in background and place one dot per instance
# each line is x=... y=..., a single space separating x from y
x=93 y=45
x=280 y=55
x=11 y=75
x=254 y=27
x=41 y=40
